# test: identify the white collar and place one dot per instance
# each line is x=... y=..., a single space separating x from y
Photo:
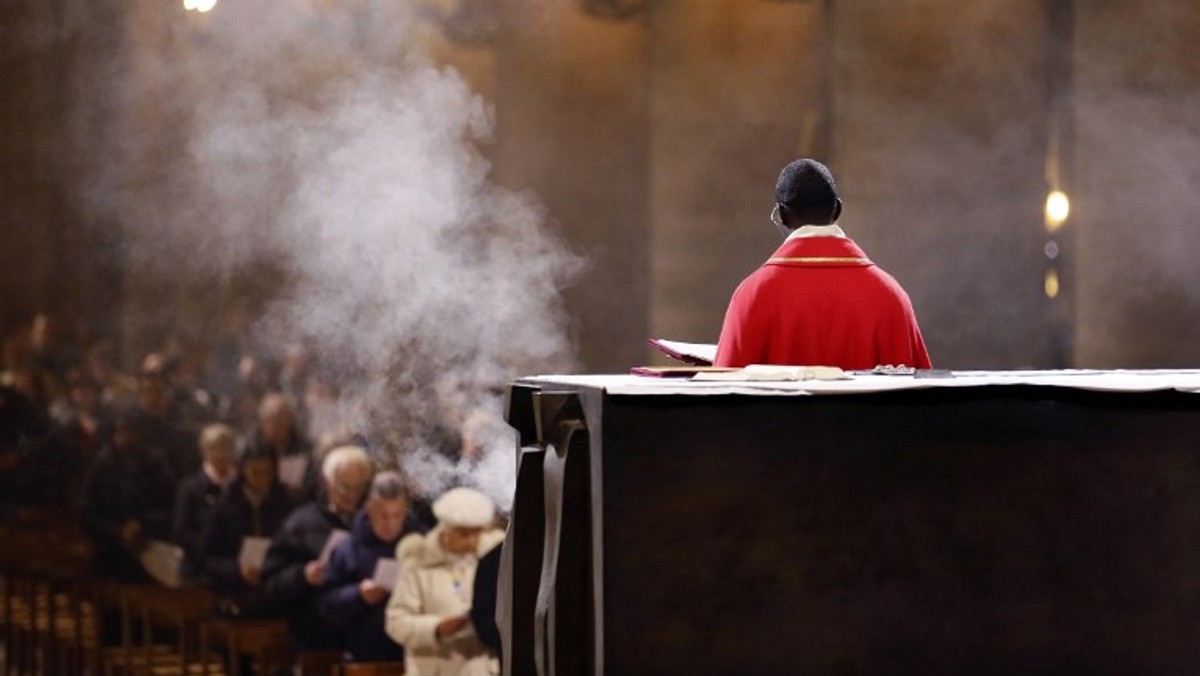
x=816 y=231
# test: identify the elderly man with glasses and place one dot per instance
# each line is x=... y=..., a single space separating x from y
x=297 y=561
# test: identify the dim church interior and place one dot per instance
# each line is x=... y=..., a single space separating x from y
x=1022 y=168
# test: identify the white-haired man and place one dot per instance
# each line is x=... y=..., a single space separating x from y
x=294 y=571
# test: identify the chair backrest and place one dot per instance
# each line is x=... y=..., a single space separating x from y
x=372 y=669
x=318 y=662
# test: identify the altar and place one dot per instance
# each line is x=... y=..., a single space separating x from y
x=969 y=522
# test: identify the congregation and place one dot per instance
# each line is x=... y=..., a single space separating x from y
x=225 y=470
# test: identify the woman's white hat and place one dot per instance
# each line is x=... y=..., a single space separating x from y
x=464 y=508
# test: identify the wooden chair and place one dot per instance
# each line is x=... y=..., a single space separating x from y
x=318 y=663
x=65 y=625
x=47 y=623
x=266 y=641
x=160 y=631
x=182 y=613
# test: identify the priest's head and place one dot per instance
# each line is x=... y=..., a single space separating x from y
x=806 y=194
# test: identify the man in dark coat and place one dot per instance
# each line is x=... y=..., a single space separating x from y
x=158 y=422
x=126 y=501
x=352 y=597
x=23 y=426
x=199 y=493
x=255 y=506
x=278 y=431
x=295 y=570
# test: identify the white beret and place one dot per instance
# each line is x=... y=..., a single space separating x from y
x=464 y=508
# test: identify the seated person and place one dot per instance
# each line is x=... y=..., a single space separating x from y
x=161 y=428
x=255 y=506
x=198 y=494
x=429 y=610
x=352 y=599
x=278 y=431
x=294 y=572
x=127 y=500
x=81 y=422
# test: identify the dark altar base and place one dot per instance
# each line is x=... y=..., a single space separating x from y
x=1013 y=529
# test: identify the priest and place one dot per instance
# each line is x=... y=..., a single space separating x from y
x=818 y=300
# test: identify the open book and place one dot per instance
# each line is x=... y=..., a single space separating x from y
x=772 y=372
x=696 y=354
x=678 y=371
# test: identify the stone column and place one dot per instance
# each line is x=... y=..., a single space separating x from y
x=939 y=146
x=1137 y=167
x=27 y=117
x=738 y=92
x=571 y=110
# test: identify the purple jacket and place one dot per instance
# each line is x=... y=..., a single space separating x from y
x=340 y=603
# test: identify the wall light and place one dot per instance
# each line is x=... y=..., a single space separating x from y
x=1058 y=207
x=1051 y=283
x=202 y=6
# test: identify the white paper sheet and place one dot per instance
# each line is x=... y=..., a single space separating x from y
x=254 y=552
x=335 y=538
x=386 y=571
x=292 y=469
x=163 y=561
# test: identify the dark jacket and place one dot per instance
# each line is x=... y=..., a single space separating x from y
x=194 y=503
x=299 y=541
x=23 y=427
x=234 y=518
x=120 y=487
x=352 y=562
x=176 y=445
x=483 y=598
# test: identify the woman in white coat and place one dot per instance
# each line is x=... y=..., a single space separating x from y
x=428 y=610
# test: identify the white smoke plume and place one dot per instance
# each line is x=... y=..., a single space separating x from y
x=320 y=145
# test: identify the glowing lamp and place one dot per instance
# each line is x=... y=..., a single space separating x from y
x=1058 y=207
x=1051 y=283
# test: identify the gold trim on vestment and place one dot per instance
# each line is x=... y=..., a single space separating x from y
x=820 y=259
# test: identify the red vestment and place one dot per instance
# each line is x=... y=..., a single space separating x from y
x=820 y=302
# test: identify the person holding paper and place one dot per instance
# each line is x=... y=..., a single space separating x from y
x=295 y=570
x=234 y=544
x=126 y=501
x=429 y=612
x=818 y=301
x=362 y=571
x=276 y=429
x=199 y=494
